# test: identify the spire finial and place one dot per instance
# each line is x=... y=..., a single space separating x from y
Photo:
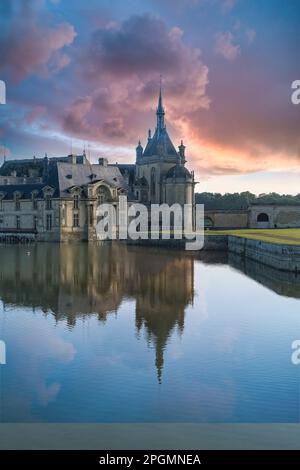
x=160 y=113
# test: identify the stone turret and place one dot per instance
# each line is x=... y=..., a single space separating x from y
x=139 y=150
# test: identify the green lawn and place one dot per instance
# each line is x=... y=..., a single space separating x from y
x=289 y=236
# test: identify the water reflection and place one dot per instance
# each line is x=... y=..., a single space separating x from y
x=282 y=282
x=74 y=281
x=115 y=333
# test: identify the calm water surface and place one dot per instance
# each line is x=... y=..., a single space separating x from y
x=130 y=334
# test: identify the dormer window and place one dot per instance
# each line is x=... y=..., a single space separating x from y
x=48 y=202
x=76 y=201
x=103 y=195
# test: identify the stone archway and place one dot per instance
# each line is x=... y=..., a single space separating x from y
x=208 y=222
x=263 y=220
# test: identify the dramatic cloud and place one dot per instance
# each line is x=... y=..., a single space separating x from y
x=29 y=44
x=123 y=64
x=226 y=81
x=225 y=46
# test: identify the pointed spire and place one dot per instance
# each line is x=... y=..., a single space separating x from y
x=182 y=152
x=160 y=113
x=139 y=150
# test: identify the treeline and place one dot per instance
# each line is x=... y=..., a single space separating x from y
x=231 y=201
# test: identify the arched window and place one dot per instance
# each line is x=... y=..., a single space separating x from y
x=153 y=182
x=262 y=217
x=208 y=222
x=103 y=195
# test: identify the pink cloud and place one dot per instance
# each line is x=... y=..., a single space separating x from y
x=33 y=46
x=225 y=46
x=122 y=65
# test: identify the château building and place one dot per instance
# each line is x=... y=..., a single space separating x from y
x=56 y=199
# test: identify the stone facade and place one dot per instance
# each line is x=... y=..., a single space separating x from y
x=261 y=216
x=221 y=219
x=56 y=199
x=274 y=216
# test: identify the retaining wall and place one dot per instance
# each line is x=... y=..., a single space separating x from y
x=282 y=257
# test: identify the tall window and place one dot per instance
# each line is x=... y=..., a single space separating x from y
x=34 y=202
x=49 y=222
x=1 y=203
x=17 y=202
x=48 y=203
x=76 y=201
x=153 y=182
x=18 y=222
x=76 y=219
x=91 y=215
x=35 y=222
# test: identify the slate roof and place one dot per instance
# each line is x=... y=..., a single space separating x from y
x=21 y=167
x=25 y=190
x=159 y=144
x=59 y=175
x=178 y=171
x=79 y=175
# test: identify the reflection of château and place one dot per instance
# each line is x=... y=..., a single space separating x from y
x=72 y=281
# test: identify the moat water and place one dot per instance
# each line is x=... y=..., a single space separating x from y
x=130 y=334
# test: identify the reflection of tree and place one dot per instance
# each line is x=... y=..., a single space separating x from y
x=72 y=281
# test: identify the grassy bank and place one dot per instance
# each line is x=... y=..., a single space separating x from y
x=290 y=236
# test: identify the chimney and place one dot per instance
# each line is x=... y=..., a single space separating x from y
x=72 y=158
x=103 y=161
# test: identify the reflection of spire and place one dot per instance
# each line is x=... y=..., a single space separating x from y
x=160 y=112
x=88 y=280
x=159 y=358
x=162 y=299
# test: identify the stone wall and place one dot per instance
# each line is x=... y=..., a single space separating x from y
x=274 y=216
x=282 y=257
x=221 y=219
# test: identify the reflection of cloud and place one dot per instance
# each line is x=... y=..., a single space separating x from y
x=31 y=362
x=46 y=394
x=227 y=339
x=61 y=350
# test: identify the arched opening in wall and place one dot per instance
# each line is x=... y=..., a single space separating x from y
x=152 y=184
x=262 y=217
x=208 y=222
x=103 y=195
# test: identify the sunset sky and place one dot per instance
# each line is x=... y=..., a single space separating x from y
x=86 y=73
